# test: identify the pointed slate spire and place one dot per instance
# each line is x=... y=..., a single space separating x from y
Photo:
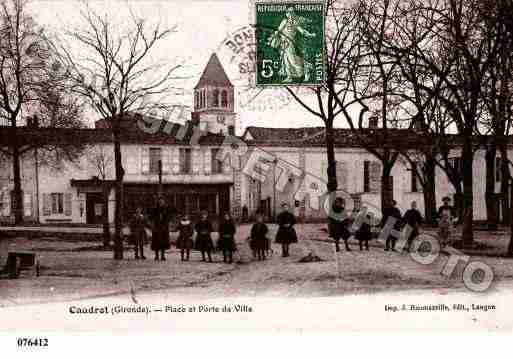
x=214 y=74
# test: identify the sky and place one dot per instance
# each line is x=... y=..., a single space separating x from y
x=202 y=28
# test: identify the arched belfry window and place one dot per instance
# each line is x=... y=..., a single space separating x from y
x=196 y=99
x=215 y=101
x=224 y=98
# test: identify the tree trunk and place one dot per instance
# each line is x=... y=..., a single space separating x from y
x=510 y=245
x=491 y=213
x=17 y=200
x=387 y=190
x=118 y=212
x=332 y=164
x=467 y=158
x=106 y=226
x=429 y=191
x=505 y=185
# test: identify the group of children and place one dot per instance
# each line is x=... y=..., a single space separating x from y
x=203 y=242
x=341 y=221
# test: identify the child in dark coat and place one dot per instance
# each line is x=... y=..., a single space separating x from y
x=204 y=237
x=138 y=226
x=286 y=233
x=226 y=242
x=364 y=234
x=185 y=242
x=259 y=240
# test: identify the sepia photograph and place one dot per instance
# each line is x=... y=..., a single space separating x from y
x=255 y=165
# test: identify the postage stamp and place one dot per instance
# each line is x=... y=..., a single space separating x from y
x=289 y=43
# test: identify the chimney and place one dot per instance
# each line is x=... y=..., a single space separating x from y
x=373 y=122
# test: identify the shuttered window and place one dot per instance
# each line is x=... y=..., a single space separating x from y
x=67 y=204
x=217 y=166
x=6 y=203
x=416 y=185
x=366 y=176
x=145 y=160
x=375 y=173
x=47 y=204
x=341 y=175
x=155 y=159
x=185 y=160
x=27 y=204
x=57 y=203
x=498 y=169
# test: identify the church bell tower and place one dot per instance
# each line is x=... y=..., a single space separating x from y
x=214 y=100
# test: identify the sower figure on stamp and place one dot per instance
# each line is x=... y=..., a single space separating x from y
x=160 y=217
x=138 y=226
x=391 y=211
x=204 y=237
x=412 y=218
x=286 y=233
x=259 y=240
x=185 y=233
x=286 y=39
x=338 y=223
x=226 y=242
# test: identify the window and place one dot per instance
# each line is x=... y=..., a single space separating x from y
x=215 y=100
x=155 y=159
x=231 y=130
x=217 y=166
x=185 y=160
x=221 y=120
x=414 y=179
x=224 y=98
x=456 y=164
x=366 y=176
x=498 y=169
x=57 y=203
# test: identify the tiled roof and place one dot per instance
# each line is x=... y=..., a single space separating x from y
x=315 y=136
x=214 y=74
x=165 y=134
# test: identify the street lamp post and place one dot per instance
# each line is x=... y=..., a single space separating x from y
x=274 y=189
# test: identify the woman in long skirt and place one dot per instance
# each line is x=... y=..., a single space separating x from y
x=160 y=217
x=226 y=241
x=185 y=233
x=286 y=233
x=204 y=237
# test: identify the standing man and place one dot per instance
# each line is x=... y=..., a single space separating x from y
x=413 y=218
x=391 y=211
x=286 y=233
x=338 y=222
x=160 y=217
x=447 y=209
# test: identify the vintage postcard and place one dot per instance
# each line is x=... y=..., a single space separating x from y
x=247 y=165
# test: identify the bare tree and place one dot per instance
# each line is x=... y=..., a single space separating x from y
x=450 y=45
x=117 y=75
x=101 y=160
x=342 y=43
x=25 y=61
